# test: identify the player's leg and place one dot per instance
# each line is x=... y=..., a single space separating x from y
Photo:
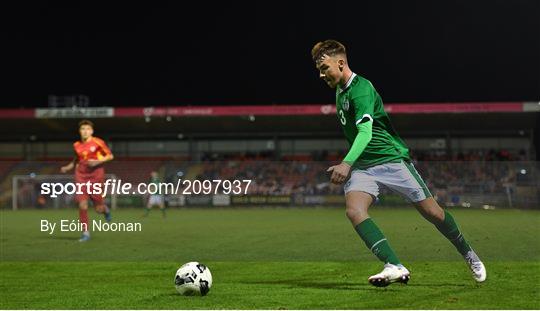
x=147 y=210
x=445 y=223
x=360 y=191
x=405 y=179
x=357 y=203
x=161 y=204
x=149 y=206
x=101 y=207
x=82 y=198
x=83 y=218
x=98 y=176
x=104 y=209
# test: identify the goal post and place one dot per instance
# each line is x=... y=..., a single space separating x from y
x=26 y=191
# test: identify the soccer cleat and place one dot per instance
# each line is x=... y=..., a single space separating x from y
x=108 y=217
x=85 y=237
x=477 y=267
x=390 y=274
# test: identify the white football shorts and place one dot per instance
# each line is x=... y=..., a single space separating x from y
x=400 y=177
x=155 y=199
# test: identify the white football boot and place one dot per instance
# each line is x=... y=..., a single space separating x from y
x=390 y=274
x=477 y=267
x=85 y=237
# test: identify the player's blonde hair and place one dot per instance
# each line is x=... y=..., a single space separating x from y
x=327 y=47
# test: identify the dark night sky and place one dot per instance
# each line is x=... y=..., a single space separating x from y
x=221 y=54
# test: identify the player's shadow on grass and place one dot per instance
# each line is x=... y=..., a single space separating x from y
x=66 y=238
x=438 y=285
x=304 y=283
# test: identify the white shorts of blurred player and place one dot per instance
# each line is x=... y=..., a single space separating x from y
x=400 y=177
x=155 y=199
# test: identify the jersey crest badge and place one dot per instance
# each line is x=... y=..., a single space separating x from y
x=346 y=105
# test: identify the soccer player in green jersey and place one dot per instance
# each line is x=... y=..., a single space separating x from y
x=378 y=156
x=155 y=199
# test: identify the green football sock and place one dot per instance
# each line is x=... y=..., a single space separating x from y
x=451 y=231
x=376 y=241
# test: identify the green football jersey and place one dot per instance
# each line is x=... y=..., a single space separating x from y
x=359 y=102
x=155 y=180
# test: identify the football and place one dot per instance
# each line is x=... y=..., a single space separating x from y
x=193 y=278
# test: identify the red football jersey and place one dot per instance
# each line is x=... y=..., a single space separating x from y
x=92 y=149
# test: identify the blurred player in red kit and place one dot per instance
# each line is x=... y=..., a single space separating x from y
x=90 y=154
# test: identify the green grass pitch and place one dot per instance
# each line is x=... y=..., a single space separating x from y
x=266 y=258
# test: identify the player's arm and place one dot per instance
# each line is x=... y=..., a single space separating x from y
x=341 y=171
x=108 y=157
x=108 y=154
x=70 y=165
x=363 y=105
x=361 y=141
